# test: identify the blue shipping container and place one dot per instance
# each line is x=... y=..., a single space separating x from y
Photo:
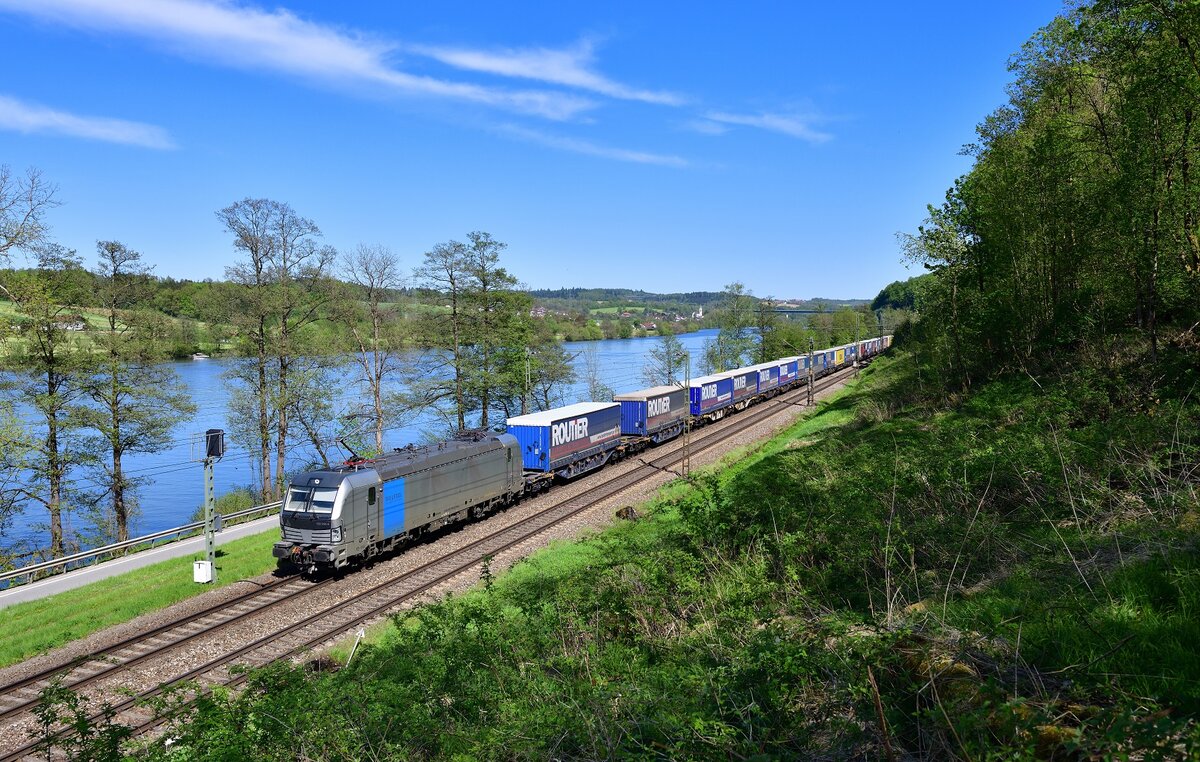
x=768 y=376
x=555 y=438
x=710 y=393
x=789 y=369
x=647 y=411
x=745 y=383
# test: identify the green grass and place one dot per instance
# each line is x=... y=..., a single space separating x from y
x=1138 y=627
x=34 y=627
x=615 y=311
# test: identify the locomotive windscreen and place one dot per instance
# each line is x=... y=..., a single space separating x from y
x=307 y=499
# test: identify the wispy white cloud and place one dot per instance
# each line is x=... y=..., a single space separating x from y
x=705 y=127
x=589 y=148
x=570 y=67
x=796 y=126
x=278 y=40
x=29 y=118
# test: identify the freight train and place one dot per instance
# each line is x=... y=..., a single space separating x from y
x=343 y=516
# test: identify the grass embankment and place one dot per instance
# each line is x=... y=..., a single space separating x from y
x=1011 y=572
x=34 y=627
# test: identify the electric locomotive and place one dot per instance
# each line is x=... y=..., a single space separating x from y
x=335 y=517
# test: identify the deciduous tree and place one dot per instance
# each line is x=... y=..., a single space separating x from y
x=284 y=288
x=373 y=325
x=48 y=369
x=137 y=400
x=444 y=270
x=666 y=362
x=24 y=201
x=494 y=316
x=734 y=343
x=16 y=446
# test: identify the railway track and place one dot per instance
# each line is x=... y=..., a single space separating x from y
x=22 y=695
x=335 y=620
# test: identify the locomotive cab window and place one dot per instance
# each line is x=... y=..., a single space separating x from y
x=322 y=501
x=298 y=499
x=308 y=500
x=371 y=496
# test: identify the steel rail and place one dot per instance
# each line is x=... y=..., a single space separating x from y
x=113 y=662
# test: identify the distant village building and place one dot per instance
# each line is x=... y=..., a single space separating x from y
x=71 y=323
x=698 y=314
x=537 y=312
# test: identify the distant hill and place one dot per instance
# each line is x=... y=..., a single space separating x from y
x=820 y=303
x=626 y=295
x=698 y=298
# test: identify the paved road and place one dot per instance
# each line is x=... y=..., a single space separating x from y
x=80 y=577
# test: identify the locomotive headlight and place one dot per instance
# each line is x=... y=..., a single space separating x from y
x=337 y=534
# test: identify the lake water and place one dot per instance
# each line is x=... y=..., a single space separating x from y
x=176 y=478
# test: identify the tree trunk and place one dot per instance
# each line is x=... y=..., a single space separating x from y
x=120 y=510
x=264 y=422
x=1152 y=307
x=281 y=439
x=54 y=504
x=483 y=397
x=377 y=381
x=458 y=390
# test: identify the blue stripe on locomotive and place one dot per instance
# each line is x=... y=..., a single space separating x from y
x=393 y=507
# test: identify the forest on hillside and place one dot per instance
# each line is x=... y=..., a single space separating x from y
x=1081 y=216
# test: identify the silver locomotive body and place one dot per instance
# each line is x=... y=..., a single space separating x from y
x=332 y=518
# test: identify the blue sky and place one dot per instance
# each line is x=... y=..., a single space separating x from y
x=666 y=146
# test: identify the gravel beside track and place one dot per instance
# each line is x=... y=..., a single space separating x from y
x=312 y=603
